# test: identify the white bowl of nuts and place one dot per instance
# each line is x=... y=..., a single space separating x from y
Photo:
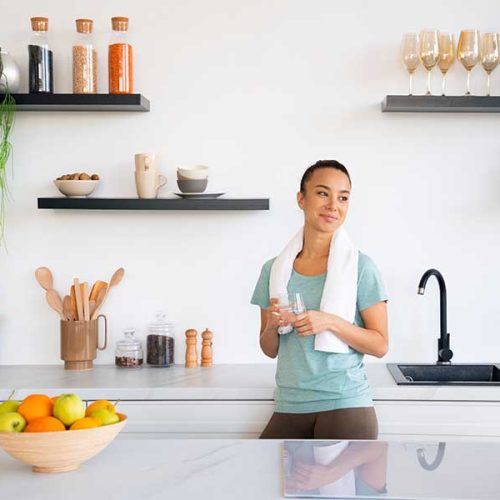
x=77 y=185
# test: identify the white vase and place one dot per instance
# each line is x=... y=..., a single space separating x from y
x=10 y=74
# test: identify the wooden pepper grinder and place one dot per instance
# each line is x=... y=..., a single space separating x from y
x=206 y=350
x=191 y=353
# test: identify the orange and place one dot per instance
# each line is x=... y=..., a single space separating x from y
x=99 y=404
x=85 y=423
x=45 y=424
x=54 y=399
x=36 y=406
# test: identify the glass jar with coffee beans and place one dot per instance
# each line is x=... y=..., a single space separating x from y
x=129 y=353
x=160 y=342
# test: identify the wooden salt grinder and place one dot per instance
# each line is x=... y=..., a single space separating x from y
x=206 y=350
x=191 y=354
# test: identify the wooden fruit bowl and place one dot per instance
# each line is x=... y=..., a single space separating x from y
x=59 y=451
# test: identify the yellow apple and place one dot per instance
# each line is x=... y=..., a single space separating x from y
x=68 y=408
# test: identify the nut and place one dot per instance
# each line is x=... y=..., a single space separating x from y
x=84 y=177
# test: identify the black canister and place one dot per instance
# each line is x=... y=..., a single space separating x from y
x=160 y=342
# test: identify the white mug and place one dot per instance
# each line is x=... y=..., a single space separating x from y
x=145 y=162
x=148 y=183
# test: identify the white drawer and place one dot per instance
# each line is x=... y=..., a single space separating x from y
x=197 y=417
x=440 y=418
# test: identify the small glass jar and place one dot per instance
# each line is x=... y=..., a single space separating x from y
x=160 y=342
x=120 y=59
x=129 y=353
x=84 y=59
x=41 y=61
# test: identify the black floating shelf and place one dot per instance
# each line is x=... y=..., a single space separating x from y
x=441 y=104
x=154 y=204
x=80 y=102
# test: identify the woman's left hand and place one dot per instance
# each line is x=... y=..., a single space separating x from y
x=312 y=322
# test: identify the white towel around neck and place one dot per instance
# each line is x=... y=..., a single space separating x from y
x=341 y=285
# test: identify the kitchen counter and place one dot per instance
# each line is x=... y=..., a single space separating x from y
x=253 y=469
x=244 y=382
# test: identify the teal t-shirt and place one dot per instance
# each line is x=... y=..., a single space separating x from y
x=309 y=381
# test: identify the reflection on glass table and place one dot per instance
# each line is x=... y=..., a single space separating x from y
x=391 y=470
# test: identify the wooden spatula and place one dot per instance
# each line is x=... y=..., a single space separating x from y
x=96 y=288
x=115 y=280
x=85 y=301
x=78 y=298
x=68 y=312
x=98 y=302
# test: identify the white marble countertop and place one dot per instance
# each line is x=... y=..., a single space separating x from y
x=253 y=469
x=252 y=382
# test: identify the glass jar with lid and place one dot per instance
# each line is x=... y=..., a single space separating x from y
x=129 y=353
x=84 y=59
x=41 y=69
x=160 y=341
x=120 y=58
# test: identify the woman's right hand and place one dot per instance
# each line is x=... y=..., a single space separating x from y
x=274 y=318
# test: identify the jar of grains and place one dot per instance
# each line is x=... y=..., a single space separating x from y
x=129 y=353
x=84 y=59
x=160 y=342
x=120 y=59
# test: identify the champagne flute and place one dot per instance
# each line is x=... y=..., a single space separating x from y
x=446 y=56
x=429 y=53
x=468 y=52
x=410 y=55
x=489 y=55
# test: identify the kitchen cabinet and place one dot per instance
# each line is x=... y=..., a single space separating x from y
x=236 y=401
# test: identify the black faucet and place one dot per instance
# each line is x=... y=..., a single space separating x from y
x=444 y=352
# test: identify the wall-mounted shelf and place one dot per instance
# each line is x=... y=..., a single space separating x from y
x=80 y=102
x=441 y=104
x=154 y=204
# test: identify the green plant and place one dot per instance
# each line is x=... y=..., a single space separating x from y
x=7 y=113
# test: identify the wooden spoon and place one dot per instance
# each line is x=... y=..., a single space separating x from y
x=44 y=278
x=115 y=280
x=55 y=302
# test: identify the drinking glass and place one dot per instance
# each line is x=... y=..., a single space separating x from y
x=446 y=56
x=468 y=52
x=410 y=55
x=290 y=304
x=489 y=55
x=429 y=53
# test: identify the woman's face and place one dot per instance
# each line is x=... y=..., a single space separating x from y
x=326 y=200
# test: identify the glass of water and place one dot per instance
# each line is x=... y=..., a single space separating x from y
x=290 y=304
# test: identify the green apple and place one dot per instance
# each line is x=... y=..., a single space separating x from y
x=68 y=408
x=9 y=406
x=12 y=422
x=106 y=417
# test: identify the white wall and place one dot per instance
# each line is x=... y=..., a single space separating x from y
x=258 y=90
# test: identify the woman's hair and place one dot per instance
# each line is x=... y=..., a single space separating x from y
x=322 y=164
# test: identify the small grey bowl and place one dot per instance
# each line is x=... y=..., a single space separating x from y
x=192 y=185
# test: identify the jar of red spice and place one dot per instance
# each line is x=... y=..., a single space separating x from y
x=120 y=59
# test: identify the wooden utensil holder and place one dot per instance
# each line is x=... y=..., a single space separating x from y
x=80 y=342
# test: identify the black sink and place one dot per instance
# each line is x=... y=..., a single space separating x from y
x=421 y=374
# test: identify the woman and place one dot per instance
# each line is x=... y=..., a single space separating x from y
x=323 y=395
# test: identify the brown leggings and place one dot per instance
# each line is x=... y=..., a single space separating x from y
x=345 y=423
